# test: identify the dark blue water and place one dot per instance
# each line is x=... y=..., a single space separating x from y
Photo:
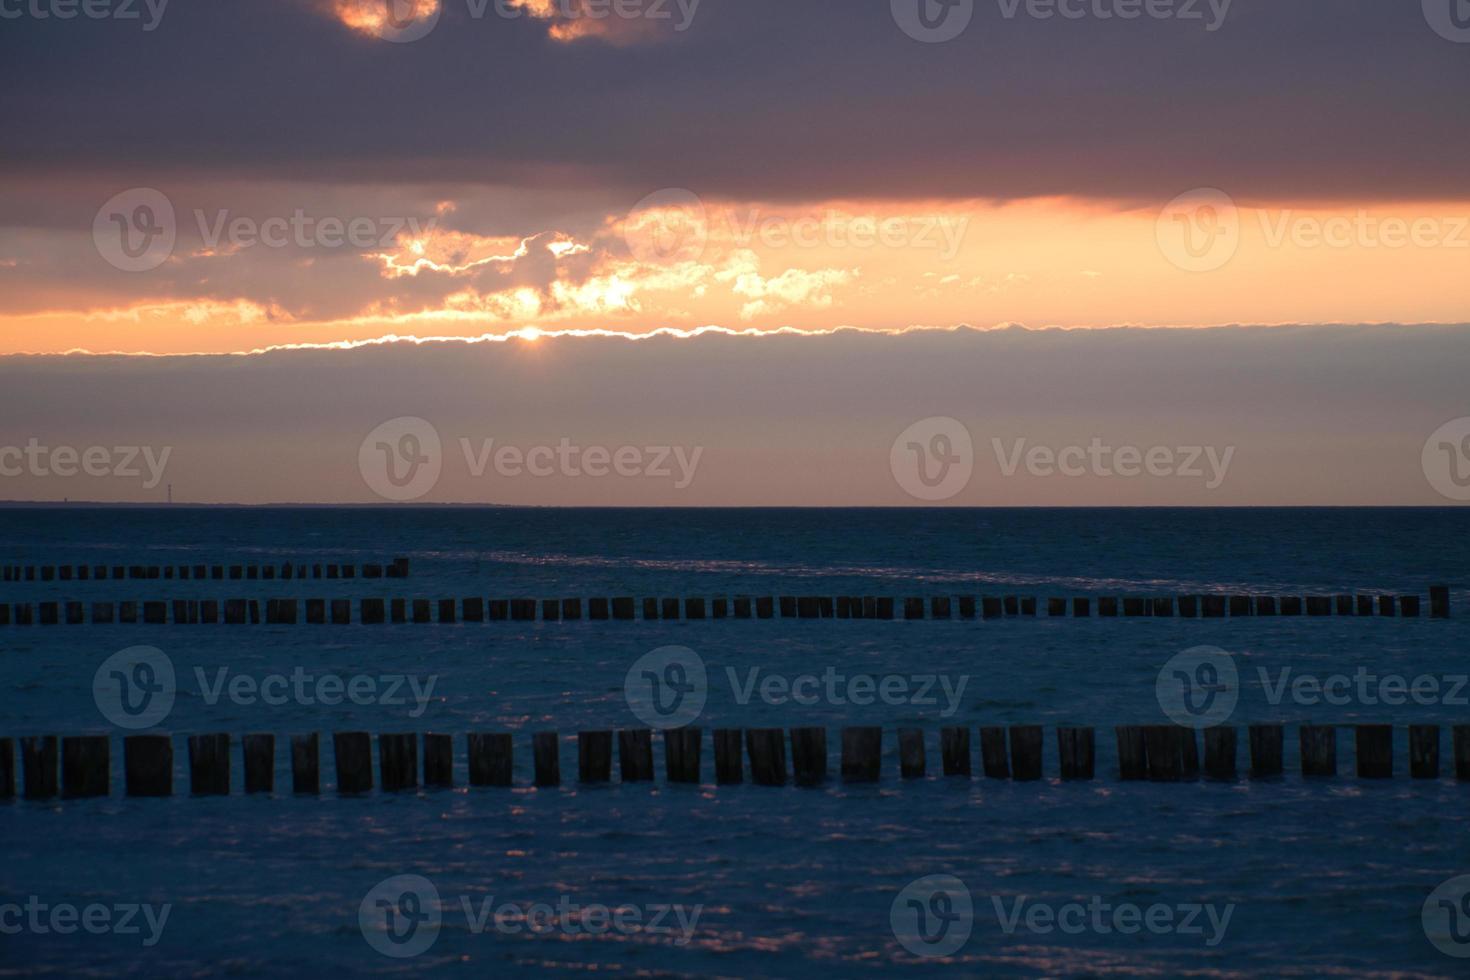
x=1319 y=876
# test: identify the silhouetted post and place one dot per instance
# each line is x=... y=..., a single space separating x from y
x=939 y=607
x=669 y=608
x=74 y=614
x=500 y=609
x=911 y=760
x=550 y=610
x=1013 y=605
x=635 y=755
x=102 y=612
x=694 y=608
x=306 y=776
x=1375 y=751
x=154 y=613
x=446 y=611
x=1220 y=748
x=1134 y=606
x=766 y=748
x=259 y=754
x=209 y=765
x=39 y=754
x=472 y=609
x=371 y=612
x=1025 y=752
x=1076 y=751
x=913 y=609
x=1319 y=750
x=546 y=755
x=954 y=749
x=765 y=607
x=1409 y=606
x=788 y=606
x=523 y=610
x=1439 y=601
x=681 y=754
x=316 y=612
x=862 y=754
x=729 y=765
x=650 y=609
x=809 y=756
x=742 y=607
x=995 y=758
x=991 y=607
x=598 y=609
x=86 y=766
x=1291 y=605
x=148 y=765
x=1343 y=605
x=1265 y=605
x=1056 y=607
x=438 y=760
x=594 y=757
x=354 y=753
x=571 y=609
x=720 y=608
x=23 y=613
x=1319 y=605
x=1267 y=750
x=967 y=607
x=1107 y=606
x=1365 y=605
x=810 y=607
x=341 y=612
x=1240 y=605
x=398 y=761
x=1461 y=736
x=1164 y=749
x=1189 y=606
x=1424 y=751
x=1081 y=606
x=7 y=769
x=884 y=607
x=492 y=758
x=1386 y=605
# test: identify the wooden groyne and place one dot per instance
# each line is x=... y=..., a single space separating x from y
x=81 y=766
x=372 y=611
x=396 y=568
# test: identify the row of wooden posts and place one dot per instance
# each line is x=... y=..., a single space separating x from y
x=81 y=766
x=372 y=611
x=397 y=568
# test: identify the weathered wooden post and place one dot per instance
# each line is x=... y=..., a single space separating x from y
x=209 y=765
x=371 y=612
x=306 y=764
x=422 y=611
x=316 y=612
x=1365 y=605
x=1081 y=606
x=550 y=610
x=7 y=769
x=913 y=609
x=742 y=607
x=1409 y=606
x=341 y=612
x=1319 y=750
x=765 y=607
x=884 y=607
x=954 y=749
x=729 y=764
x=86 y=766
x=1189 y=606
x=259 y=755
x=599 y=609
x=1164 y=749
x=447 y=611
x=492 y=758
x=74 y=614
x=102 y=613
x=1107 y=606
x=499 y=609
x=398 y=761
x=1056 y=607
x=1013 y=605
x=995 y=758
x=810 y=607
x=594 y=757
x=1134 y=606
x=1291 y=605
x=155 y=613
x=967 y=607
x=787 y=605
x=148 y=765
x=650 y=609
x=1439 y=601
x=1163 y=606
x=1267 y=751
x=681 y=754
x=571 y=609
x=546 y=755
x=1026 y=752
x=354 y=755
x=809 y=756
x=1424 y=751
x=1077 y=752
x=438 y=760
x=720 y=607
x=1265 y=605
x=670 y=608
x=1240 y=605
x=1343 y=605
x=1375 y=751
x=911 y=760
x=635 y=755
x=862 y=754
x=766 y=748
x=939 y=607
x=472 y=609
x=694 y=607
x=1386 y=605
x=1220 y=748
x=39 y=754
x=1460 y=734
x=1319 y=605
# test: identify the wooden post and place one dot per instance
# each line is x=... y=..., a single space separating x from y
x=1319 y=605
x=74 y=614
x=209 y=765
x=1025 y=752
x=939 y=607
x=766 y=748
x=492 y=758
x=1134 y=606
x=1291 y=605
x=1266 y=751
x=635 y=755
x=546 y=754
x=1409 y=606
x=446 y=611
x=1077 y=751
x=1013 y=605
x=650 y=609
x=1343 y=605
x=1107 y=606
x=1081 y=606
x=911 y=760
x=259 y=755
x=1164 y=749
x=991 y=607
x=306 y=764
x=1220 y=744
x=7 y=769
x=808 y=607
x=571 y=609
x=862 y=754
x=954 y=749
x=102 y=612
x=499 y=609
x=1189 y=606
x=234 y=612
x=764 y=607
x=86 y=766
x=622 y=607
x=1375 y=751
x=148 y=765
x=681 y=754
x=995 y=759
x=155 y=613
x=1056 y=607
x=550 y=610
x=371 y=612
x=354 y=753
x=884 y=607
x=341 y=612
x=316 y=612
x=1386 y=605
x=742 y=607
x=1439 y=601
x=1240 y=605
x=598 y=609
x=438 y=760
x=809 y=756
x=1319 y=750
x=720 y=608
x=913 y=609
x=398 y=761
x=1461 y=737
x=967 y=607
x=1265 y=605
x=594 y=757
x=729 y=765
x=39 y=754
x=1424 y=751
